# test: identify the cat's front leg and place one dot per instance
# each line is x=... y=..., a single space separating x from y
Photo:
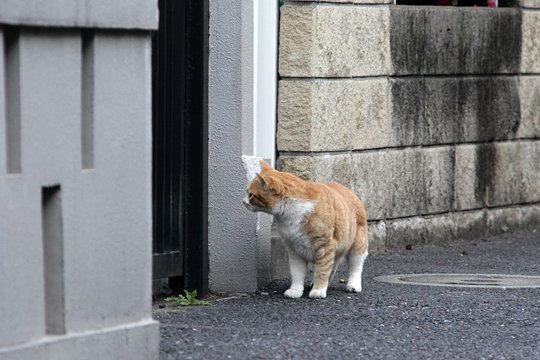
x=298 y=268
x=322 y=269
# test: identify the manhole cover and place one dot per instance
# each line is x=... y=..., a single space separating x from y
x=464 y=280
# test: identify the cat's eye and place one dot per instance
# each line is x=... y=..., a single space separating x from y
x=250 y=195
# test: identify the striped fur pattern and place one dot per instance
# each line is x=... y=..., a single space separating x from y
x=320 y=223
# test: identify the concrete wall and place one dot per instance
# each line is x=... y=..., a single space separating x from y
x=430 y=114
x=232 y=230
x=75 y=185
x=240 y=88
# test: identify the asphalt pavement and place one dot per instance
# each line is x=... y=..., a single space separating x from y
x=385 y=321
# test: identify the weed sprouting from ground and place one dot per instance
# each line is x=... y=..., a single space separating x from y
x=188 y=299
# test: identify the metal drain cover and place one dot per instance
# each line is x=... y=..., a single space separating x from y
x=464 y=280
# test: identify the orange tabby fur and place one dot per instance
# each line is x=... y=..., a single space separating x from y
x=334 y=225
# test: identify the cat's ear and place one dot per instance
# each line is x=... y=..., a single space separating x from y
x=264 y=165
x=262 y=181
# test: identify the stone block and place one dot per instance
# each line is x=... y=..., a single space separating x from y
x=407 y=182
x=439 y=40
x=515 y=177
x=438 y=177
x=372 y=180
x=330 y=115
x=530 y=178
x=497 y=174
x=297 y=37
x=441 y=123
x=321 y=40
x=295 y=120
x=371 y=111
x=408 y=110
x=323 y=168
x=529 y=95
x=510 y=219
x=333 y=41
x=530 y=61
x=406 y=185
x=469 y=225
x=435 y=230
x=434 y=110
x=487 y=108
x=466 y=194
x=338 y=115
x=503 y=220
x=314 y=115
x=418 y=231
x=336 y=168
x=530 y=3
x=368 y=174
x=377 y=237
x=530 y=217
x=301 y=166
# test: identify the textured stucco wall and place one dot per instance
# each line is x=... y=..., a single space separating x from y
x=232 y=230
x=51 y=83
x=429 y=113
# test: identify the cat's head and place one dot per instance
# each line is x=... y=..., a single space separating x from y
x=264 y=191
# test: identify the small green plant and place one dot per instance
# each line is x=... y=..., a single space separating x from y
x=188 y=299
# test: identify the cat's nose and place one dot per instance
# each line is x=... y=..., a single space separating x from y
x=245 y=201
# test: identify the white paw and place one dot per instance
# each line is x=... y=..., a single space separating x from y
x=354 y=288
x=293 y=294
x=317 y=294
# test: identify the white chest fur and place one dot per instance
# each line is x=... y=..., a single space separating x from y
x=289 y=214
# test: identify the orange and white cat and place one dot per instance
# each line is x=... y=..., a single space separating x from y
x=320 y=223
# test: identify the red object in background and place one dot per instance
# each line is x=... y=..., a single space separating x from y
x=488 y=3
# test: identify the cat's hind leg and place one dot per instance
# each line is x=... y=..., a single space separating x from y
x=356 y=257
x=298 y=268
x=356 y=266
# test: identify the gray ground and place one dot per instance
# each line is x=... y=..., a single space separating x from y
x=385 y=321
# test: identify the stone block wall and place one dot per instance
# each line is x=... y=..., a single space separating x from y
x=430 y=114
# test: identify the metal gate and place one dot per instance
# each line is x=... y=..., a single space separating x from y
x=179 y=126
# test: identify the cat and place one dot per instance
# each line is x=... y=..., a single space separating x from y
x=320 y=223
